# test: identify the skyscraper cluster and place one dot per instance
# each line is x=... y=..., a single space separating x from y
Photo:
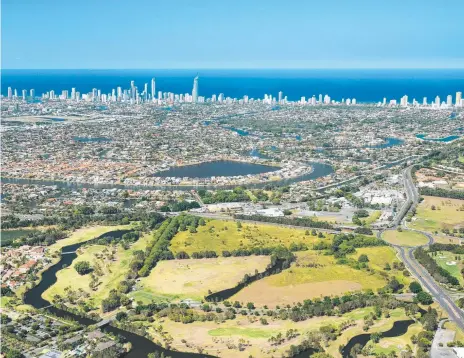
x=148 y=95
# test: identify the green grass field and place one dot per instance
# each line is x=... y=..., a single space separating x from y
x=396 y=344
x=242 y=332
x=379 y=257
x=381 y=325
x=447 y=214
x=405 y=238
x=444 y=257
x=373 y=217
x=218 y=235
x=114 y=270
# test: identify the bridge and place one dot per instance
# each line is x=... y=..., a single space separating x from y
x=69 y=252
x=105 y=322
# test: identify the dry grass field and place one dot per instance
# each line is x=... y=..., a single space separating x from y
x=313 y=275
x=195 y=277
x=448 y=214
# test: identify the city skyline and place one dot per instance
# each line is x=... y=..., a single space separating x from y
x=217 y=35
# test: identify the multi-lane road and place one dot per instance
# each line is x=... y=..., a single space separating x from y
x=406 y=254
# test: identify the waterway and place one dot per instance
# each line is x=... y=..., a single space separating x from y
x=141 y=346
x=447 y=139
x=399 y=328
x=91 y=139
x=319 y=170
x=217 y=168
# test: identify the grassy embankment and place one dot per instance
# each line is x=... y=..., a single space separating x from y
x=405 y=238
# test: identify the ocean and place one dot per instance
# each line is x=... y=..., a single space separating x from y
x=364 y=85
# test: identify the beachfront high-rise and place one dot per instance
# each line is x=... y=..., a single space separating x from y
x=153 y=89
x=458 y=98
x=195 y=90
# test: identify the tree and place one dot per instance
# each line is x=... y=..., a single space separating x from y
x=424 y=298
x=415 y=287
x=363 y=258
x=121 y=316
x=83 y=267
x=250 y=306
x=375 y=337
x=12 y=353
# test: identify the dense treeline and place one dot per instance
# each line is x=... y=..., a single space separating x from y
x=445 y=193
x=180 y=206
x=455 y=249
x=224 y=196
x=75 y=219
x=344 y=244
x=317 y=307
x=306 y=222
x=437 y=272
x=158 y=248
x=47 y=237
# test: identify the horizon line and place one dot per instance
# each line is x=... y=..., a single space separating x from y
x=234 y=69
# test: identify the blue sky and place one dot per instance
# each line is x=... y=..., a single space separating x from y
x=232 y=34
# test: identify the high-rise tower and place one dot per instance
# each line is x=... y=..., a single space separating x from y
x=153 y=89
x=195 y=90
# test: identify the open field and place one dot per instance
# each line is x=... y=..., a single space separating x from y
x=195 y=277
x=447 y=214
x=404 y=238
x=379 y=257
x=214 y=337
x=218 y=235
x=85 y=234
x=451 y=262
x=301 y=282
x=114 y=270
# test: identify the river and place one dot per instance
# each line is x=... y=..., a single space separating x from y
x=141 y=346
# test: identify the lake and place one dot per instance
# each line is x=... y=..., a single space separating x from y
x=217 y=168
x=319 y=170
x=91 y=139
x=443 y=139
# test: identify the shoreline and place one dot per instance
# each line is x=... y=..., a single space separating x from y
x=180 y=186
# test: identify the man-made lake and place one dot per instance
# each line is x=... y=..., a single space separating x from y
x=91 y=139
x=213 y=169
x=319 y=170
x=389 y=142
x=444 y=139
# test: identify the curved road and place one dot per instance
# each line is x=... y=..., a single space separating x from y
x=406 y=254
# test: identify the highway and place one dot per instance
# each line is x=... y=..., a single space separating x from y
x=406 y=254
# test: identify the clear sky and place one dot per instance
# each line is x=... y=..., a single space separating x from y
x=198 y=34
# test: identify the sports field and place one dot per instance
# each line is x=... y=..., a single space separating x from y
x=435 y=213
x=405 y=238
x=219 y=235
x=195 y=277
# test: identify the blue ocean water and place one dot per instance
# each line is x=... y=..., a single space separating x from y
x=364 y=85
